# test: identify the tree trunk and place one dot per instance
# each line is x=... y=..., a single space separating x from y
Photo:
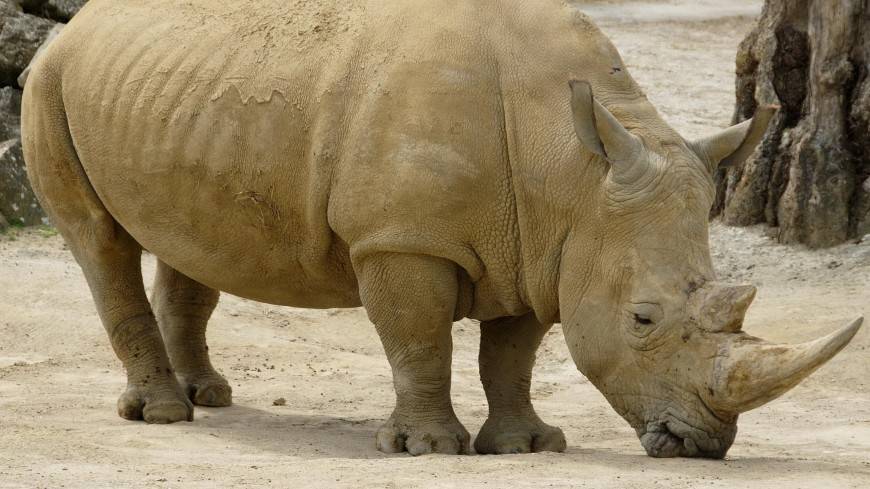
x=810 y=177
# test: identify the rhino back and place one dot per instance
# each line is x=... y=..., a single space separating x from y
x=257 y=146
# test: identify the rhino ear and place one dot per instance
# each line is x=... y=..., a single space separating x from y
x=737 y=143
x=601 y=133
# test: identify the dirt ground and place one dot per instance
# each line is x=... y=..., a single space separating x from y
x=59 y=379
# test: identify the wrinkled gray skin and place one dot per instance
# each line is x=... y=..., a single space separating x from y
x=427 y=160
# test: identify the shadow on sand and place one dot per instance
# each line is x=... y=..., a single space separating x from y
x=321 y=436
x=304 y=435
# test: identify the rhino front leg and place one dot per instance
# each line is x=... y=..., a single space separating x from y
x=183 y=307
x=411 y=299
x=507 y=355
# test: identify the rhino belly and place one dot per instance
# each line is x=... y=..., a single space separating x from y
x=249 y=236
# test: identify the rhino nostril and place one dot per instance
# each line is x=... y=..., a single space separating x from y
x=690 y=449
x=661 y=443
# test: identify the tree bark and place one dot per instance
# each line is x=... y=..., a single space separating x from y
x=810 y=177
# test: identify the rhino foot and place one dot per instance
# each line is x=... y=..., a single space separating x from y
x=505 y=436
x=207 y=390
x=449 y=438
x=154 y=405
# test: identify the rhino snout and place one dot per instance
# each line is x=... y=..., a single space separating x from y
x=676 y=438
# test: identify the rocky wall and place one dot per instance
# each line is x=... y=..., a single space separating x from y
x=25 y=25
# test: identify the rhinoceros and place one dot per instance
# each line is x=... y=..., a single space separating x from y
x=427 y=160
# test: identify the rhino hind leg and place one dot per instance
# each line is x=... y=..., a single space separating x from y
x=109 y=257
x=111 y=262
x=183 y=308
x=411 y=299
x=507 y=355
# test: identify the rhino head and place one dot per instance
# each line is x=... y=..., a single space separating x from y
x=644 y=317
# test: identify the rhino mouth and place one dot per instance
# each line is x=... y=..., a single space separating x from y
x=672 y=437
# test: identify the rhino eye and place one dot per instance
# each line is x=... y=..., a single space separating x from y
x=642 y=320
x=646 y=316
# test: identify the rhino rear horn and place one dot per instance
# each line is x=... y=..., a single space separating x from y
x=725 y=307
x=601 y=133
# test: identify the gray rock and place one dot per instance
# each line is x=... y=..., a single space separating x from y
x=22 y=78
x=8 y=8
x=60 y=10
x=10 y=113
x=17 y=201
x=20 y=37
x=64 y=10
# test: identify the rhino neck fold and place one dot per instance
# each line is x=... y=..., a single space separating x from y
x=549 y=227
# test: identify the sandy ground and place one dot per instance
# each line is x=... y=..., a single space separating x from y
x=59 y=379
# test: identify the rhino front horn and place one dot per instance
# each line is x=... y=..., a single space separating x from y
x=754 y=372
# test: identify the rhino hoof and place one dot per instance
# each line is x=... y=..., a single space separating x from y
x=448 y=439
x=162 y=407
x=212 y=391
x=520 y=437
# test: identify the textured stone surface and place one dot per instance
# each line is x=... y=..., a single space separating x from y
x=60 y=10
x=25 y=27
x=810 y=180
x=21 y=35
x=22 y=78
x=17 y=202
x=8 y=8
x=10 y=113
